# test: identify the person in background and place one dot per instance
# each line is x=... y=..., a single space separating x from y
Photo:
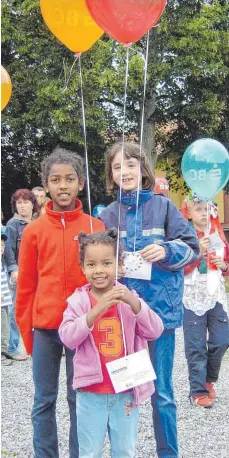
x=6 y=302
x=41 y=210
x=23 y=204
x=206 y=330
x=39 y=193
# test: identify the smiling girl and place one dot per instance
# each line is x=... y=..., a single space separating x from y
x=164 y=238
x=101 y=320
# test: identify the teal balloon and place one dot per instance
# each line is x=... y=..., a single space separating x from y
x=205 y=167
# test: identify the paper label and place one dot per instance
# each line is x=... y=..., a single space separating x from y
x=216 y=242
x=130 y=371
x=136 y=267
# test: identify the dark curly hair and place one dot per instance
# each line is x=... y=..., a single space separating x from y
x=24 y=194
x=109 y=237
x=62 y=156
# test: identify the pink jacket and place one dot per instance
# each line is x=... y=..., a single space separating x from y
x=75 y=334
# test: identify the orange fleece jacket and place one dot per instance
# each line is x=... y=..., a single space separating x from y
x=49 y=270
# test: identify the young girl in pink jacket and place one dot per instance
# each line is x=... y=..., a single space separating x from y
x=103 y=323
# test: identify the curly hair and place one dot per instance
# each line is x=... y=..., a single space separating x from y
x=24 y=194
x=130 y=149
x=62 y=156
x=109 y=237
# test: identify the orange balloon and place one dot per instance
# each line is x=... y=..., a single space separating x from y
x=6 y=88
x=71 y=22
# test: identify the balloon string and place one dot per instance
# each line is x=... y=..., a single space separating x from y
x=70 y=74
x=141 y=137
x=122 y=157
x=208 y=219
x=85 y=144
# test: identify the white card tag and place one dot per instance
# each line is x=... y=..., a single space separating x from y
x=216 y=242
x=130 y=371
x=136 y=267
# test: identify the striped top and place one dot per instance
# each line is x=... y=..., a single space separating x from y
x=6 y=298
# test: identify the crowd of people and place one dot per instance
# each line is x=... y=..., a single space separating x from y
x=60 y=291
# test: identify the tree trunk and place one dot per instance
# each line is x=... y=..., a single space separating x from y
x=149 y=126
x=150 y=104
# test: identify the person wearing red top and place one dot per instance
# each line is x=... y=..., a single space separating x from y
x=49 y=272
x=103 y=323
x=107 y=350
x=206 y=331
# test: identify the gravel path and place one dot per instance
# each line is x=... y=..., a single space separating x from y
x=202 y=433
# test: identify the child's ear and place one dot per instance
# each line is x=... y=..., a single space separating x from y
x=46 y=188
x=81 y=184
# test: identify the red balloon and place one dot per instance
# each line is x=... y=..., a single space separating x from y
x=161 y=186
x=126 y=20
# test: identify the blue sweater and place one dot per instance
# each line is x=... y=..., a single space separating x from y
x=158 y=221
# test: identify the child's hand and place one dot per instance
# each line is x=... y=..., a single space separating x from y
x=153 y=253
x=128 y=297
x=14 y=276
x=204 y=244
x=219 y=262
x=108 y=299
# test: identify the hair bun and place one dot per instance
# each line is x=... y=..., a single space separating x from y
x=113 y=233
x=82 y=236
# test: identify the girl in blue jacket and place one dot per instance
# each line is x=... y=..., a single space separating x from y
x=151 y=224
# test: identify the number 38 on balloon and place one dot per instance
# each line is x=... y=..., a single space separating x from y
x=205 y=167
x=202 y=174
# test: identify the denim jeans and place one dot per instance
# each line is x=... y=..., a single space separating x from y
x=4 y=329
x=204 y=356
x=97 y=413
x=14 y=339
x=47 y=353
x=164 y=407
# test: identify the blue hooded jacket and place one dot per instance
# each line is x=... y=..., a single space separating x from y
x=158 y=221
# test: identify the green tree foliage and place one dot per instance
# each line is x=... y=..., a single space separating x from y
x=187 y=90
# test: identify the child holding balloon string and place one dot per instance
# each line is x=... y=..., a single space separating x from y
x=104 y=322
x=205 y=303
x=158 y=231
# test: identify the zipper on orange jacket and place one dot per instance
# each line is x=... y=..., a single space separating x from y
x=65 y=273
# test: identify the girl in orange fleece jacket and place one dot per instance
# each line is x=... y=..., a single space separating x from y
x=49 y=272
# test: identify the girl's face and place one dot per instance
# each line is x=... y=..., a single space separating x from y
x=64 y=186
x=198 y=214
x=130 y=170
x=24 y=208
x=100 y=266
